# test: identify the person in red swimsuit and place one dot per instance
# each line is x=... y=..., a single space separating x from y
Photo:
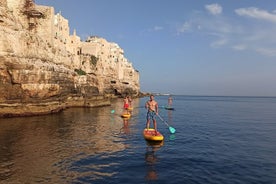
x=126 y=105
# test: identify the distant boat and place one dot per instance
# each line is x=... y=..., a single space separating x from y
x=161 y=94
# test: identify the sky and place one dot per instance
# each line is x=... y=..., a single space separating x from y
x=186 y=47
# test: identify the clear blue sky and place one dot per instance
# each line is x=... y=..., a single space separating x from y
x=189 y=47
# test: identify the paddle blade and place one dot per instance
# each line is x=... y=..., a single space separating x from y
x=172 y=130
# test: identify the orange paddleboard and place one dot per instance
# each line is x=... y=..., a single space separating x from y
x=151 y=135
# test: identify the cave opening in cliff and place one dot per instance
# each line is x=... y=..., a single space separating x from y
x=116 y=92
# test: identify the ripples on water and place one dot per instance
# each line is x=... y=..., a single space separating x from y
x=217 y=140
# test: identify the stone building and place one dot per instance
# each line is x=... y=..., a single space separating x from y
x=112 y=67
x=43 y=68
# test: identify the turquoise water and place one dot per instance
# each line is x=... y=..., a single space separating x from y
x=217 y=140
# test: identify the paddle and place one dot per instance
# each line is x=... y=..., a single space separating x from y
x=172 y=130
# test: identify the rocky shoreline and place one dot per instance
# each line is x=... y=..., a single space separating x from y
x=34 y=109
x=50 y=107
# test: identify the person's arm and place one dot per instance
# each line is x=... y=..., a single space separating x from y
x=146 y=105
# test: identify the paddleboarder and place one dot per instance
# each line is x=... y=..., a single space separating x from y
x=126 y=105
x=170 y=100
x=152 y=107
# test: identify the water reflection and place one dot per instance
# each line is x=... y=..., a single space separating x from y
x=151 y=160
x=170 y=120
x=45 y=148
x=125 y=128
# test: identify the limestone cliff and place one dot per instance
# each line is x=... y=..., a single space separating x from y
x=44 y=69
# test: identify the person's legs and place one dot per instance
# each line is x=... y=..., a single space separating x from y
x=148 y=120
x=148 y=123
x=154 y=121
x=155 y=125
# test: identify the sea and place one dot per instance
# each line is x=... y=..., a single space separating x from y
x=218 y=140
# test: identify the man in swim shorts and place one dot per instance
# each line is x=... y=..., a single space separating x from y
x=152 y=107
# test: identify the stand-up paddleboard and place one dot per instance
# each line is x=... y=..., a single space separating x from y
x=125 y=115
x=151 y=135
x=169 y=108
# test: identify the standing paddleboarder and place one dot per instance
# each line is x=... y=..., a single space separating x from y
x=152 y=107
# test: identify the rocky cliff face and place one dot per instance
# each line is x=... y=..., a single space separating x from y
x=39 y=75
